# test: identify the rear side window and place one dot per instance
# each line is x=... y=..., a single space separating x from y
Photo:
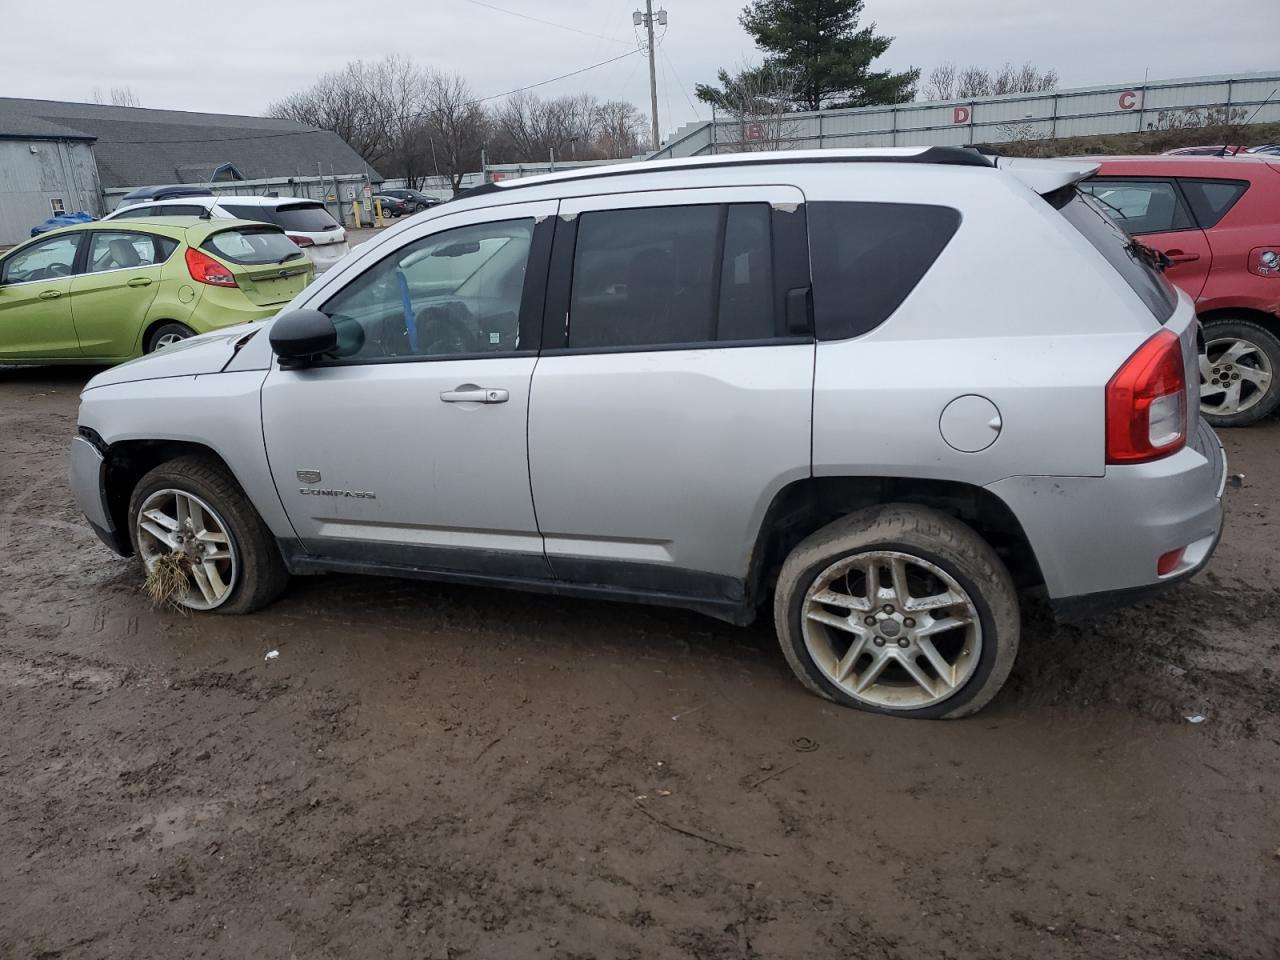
x=138 y=210
x=1211 y=200
x=1141 y=206
x=250 y=246
x=868 y=257
x=661 y=276
x=245 y=212
x=1088 y=216
x=177 y=210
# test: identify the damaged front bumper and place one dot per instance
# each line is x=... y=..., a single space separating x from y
x=88 y=486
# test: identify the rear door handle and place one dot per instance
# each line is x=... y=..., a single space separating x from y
x=1177 y=256
x=50 y=294
x=470 y=393
x=140 y=282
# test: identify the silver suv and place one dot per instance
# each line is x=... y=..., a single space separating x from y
x=884 y=391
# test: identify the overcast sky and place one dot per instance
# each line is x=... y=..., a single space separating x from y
x=257 y=51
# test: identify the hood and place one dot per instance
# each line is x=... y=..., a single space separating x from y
x=208 y=353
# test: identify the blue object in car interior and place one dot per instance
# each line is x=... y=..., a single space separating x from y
x=61 y=220
x=406 y=303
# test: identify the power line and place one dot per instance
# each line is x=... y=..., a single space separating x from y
x=563 y=76
x=549 y=23
x=680 y=80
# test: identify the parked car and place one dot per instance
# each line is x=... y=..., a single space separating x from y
x=392 y=206
x=307 y=222
x=1267 y=149
x=416 y=200
x=876 y=391
x=106 y=292
x=1215 y=150
x=1218 y=222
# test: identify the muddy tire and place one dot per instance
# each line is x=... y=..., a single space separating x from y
x=1256 y=351
x=166 y=335
x=901 y=610
x=193 y=508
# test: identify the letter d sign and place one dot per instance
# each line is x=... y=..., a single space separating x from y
x=961 y=115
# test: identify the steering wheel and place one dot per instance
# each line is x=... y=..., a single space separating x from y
x=57 y=270
x=444 y=329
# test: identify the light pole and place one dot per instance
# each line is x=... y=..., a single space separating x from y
x=647 y=19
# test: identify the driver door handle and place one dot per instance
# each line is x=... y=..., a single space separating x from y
x=50 y=294
x=470 y=393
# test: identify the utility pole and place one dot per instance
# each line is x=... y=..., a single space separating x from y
x=647 y=18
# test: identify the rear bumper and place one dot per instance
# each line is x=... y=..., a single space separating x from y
x=89 y=489
x=1097 y=539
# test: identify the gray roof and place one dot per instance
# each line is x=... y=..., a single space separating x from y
x=141 y=147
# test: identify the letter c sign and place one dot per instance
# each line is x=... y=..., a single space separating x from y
x=961 y=115
x=1128 y=100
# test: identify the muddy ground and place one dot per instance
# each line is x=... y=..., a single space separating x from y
x=430 y=771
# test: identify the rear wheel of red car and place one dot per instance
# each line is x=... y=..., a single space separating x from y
x=1238 y=372
x=166 y=335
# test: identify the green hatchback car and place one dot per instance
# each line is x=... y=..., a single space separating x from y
x=109 y=291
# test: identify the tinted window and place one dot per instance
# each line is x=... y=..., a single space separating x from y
x=250 y=246
x=303 y=218
x=138 y=210
x=1211 y=199
x=45 y=260
x=867 y=257
x=1141 y=206
x=164 y=248
x=246 y=212
x=454 y=292
x=672 y=275
x=177 y=210
x=119 y=251
x=1089 y=217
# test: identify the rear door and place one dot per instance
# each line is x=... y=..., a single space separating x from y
x=111 y=297
x=1156 y=212
x=672 y=398
x=35 y=302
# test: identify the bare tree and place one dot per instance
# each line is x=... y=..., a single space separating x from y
x=621 y=130
x=949 y=82
x=759 y=100
x=352 y=102
x=117 y=97
x=455 y=126
x=528 y=129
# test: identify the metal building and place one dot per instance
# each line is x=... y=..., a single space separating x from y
x=45 y=168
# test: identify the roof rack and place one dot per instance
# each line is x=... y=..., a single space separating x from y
x=948 y=156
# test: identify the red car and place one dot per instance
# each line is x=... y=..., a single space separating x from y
x=1217 y=219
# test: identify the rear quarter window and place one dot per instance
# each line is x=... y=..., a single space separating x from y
x=1211 y=200
x=868 y=257
x=250 y=246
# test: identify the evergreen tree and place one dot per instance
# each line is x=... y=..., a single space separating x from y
x=819 y=45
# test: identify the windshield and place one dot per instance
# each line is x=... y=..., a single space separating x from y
x=253 y=246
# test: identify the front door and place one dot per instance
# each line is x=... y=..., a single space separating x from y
x=111 y=297
x=1157 y=213
x=35 y=306
x=408 y=447
x=672 y=400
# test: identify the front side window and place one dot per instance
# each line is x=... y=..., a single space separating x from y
x=1141 y=206
x=120 y=251
x=452 y=293
x=46 y=260
x=659 y=276
x=253 y=246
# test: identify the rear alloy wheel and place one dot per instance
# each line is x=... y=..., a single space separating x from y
x=167 y=334
x=1238 y=373
x=899 y=609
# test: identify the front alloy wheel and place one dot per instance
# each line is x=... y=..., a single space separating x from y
x=180 y=524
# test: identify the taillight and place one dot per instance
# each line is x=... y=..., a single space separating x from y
x=204 y=269
x=1147 y=403
x=301 y=241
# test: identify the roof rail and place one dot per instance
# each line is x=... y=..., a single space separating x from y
x=949 y=156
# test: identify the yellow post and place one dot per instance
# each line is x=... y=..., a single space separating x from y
x=355 y=213
x=377 y=207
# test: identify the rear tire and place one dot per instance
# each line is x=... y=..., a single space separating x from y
x=1255 y=351
x=168 y=334
x=254 y=569
x=933 y=635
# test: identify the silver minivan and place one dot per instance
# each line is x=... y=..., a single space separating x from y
x=883 y=394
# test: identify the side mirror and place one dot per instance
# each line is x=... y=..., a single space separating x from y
x=301 y=336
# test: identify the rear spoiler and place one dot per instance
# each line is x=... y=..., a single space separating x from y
x=1046 y=176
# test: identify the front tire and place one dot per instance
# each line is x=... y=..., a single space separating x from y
x=191 y=508
x=167 y=334
x=901 y=610
x=1238 y=384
